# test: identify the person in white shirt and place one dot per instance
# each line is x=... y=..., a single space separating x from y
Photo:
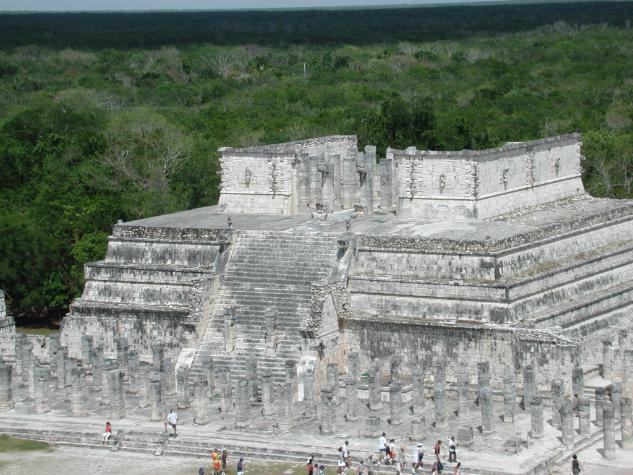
x=382 y=445
x=172 y=420
x=452 y=449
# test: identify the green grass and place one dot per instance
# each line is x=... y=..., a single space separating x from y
x=271 y=468
x=10 y=444
x=42 y=331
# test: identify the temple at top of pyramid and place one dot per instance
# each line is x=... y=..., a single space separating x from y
x=330 y=174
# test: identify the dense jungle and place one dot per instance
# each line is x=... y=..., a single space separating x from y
x=109 y=116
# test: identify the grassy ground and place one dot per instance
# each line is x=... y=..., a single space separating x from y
x=9 y=444
x=271 y=468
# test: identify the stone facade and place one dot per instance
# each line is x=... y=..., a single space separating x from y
x=332 y=289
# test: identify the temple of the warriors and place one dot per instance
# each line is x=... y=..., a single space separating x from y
x=334 y=293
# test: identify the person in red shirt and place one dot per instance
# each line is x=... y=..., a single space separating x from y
x=107 y=434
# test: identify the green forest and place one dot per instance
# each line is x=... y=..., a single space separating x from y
x=119 y=116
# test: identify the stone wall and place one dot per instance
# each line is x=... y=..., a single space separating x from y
x=486 y=183
x=459 y=346
x=7 y=331
x=318 y=175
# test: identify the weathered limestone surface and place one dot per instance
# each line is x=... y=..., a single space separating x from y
x=325 y=276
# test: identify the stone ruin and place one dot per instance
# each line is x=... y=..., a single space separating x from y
x=481 y=293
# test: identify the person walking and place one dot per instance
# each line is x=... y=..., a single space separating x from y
x=225 y=459
x=240 y=466
x=437 y=449
x=452 y=449
x=108 y=433
x=575 y=465
x=419 y=455
x=172 y=420
x=382 y=446
x=457 y=470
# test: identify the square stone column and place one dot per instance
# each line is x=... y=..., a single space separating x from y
x=268 y=394
x=529 y=386
x=327 y=411
x=375 y=389
x=351 y=399
x=584 y=414
x=242 y=405
x=79 y=398
x=155 y=397
x=626 y=422
x=201 y=403
x=117 y=400
x=537 y=427
x=509 y=395
x=182 y=384
x=608 y=429
x=567 y=422
x=557 y=397
x=395 y=404
x=42 y=398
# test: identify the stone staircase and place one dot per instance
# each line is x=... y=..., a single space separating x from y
x=266 y=272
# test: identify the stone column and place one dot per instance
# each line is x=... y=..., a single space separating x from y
x=208 y=368
x=133 y=363
x=144 y=384
x=395 y=404
x=292 y=380
x=417 y=428
x=608 y=430
x=607 y=359
x=242 y=405
x=284 y=406
x=78 y=396
x=584 y=412
x=439 y=397
x=69 y=365
x=557 y=396
x=117 y=401
x=567 y=422
x=417 y=390
x=27 y=364
x=155 y=397
x=529 y=386
x=169 y=377
x=536 y=431
x=201 y=402
x=122 y=349
x=97 y=366
x=623 y=337
x=463 y=393
x=509 y=394
x=327 y=411
x=616 y=397
x=600 y=400
x=42 y=397
x=106 y=392
x=226 y=396
x=268 y=394
x=310 y=410
x=626 y=422
x=158 y=356
x=375 y=388
x=20 y=338
x=394 y=369
x=372 y=426
x=6 y=394
x=251 y=378
x=332 y=380
x=628 y=373
x=351 y=399
x=53 y=346
x=182 y=387
x=353 y=366
x=618 y=365
x=483 y=374
x=486 y=405
x=62 y=358
x=578 y=384
x=86 y=351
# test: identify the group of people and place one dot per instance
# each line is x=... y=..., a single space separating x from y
x=389 y=454
x=219 y=462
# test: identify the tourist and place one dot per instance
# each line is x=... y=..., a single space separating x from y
x=457 y=470
x=172 y=420
x=452 y=450
x=340 y=467
x=225 y=459
x=361 y=468
x=419 y=455
x=382 y=446
x=391 y=451
x=240 y=466
x=402 y=461
x=437 y=468
x=321 y=469
x=108 y=433
x=575 y=465
x=437 y=449
x=201 y=471
x=310 y=466
x=217 y=462
x=346 y=455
